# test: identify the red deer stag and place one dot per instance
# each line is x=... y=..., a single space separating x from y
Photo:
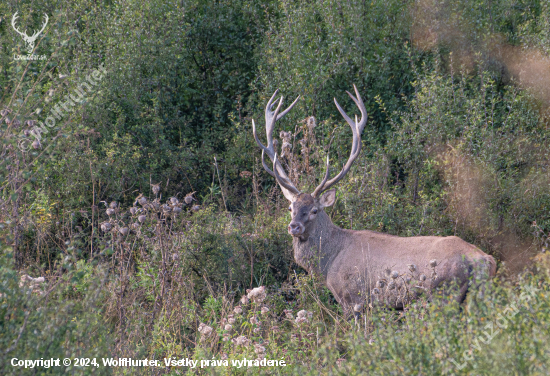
x=357 y=265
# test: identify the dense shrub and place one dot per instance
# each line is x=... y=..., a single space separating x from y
x=456 y=144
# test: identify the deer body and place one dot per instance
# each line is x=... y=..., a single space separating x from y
x=350 y=262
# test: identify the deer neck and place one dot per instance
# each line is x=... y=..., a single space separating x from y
x=317 y=253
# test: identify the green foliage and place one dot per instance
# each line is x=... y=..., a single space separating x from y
x=456 y=144
x=38 y=321
x=482 y=338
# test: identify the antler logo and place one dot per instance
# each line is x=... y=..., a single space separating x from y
x=29 y=39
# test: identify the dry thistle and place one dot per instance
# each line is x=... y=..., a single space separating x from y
x=155 y=188
x=205 y=329
x=304 y=313
x=142 y=200
x=257 y=294
x=155 y=204
x=189 y=198
x=241 y=341
x=106 y=226
x=394 y=274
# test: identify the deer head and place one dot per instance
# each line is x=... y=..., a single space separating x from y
x=29 y=39
x=305 y=207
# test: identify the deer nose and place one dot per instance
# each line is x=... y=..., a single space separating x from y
x=294 y=228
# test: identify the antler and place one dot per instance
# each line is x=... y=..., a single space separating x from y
x=29 y=39
x=285 y=183
x=24 y=35
x=357 y=130
x=43 y=27
x=271 y=118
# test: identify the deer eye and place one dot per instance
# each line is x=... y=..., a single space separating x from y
x=290 y=208
x=314 y=211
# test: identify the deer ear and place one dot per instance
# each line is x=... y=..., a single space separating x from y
x=328 y=198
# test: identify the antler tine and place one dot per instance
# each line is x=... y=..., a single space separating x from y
x=319 y=189
x=359 y=102
x=288 y=108
x=356 y=129
x=269 y=103
x=266 y=167
x=274 y=114
x=256 y=137
x=270 y=119
x=284 y=183
x=344 y=115
x=270 y=172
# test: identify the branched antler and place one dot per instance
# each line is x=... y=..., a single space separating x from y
x=271 y=118
x=357 y=130
x=29 y=39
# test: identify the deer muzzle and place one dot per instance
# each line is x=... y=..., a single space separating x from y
x=296 y=228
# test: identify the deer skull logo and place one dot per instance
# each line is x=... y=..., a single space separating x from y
x=28 y=39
